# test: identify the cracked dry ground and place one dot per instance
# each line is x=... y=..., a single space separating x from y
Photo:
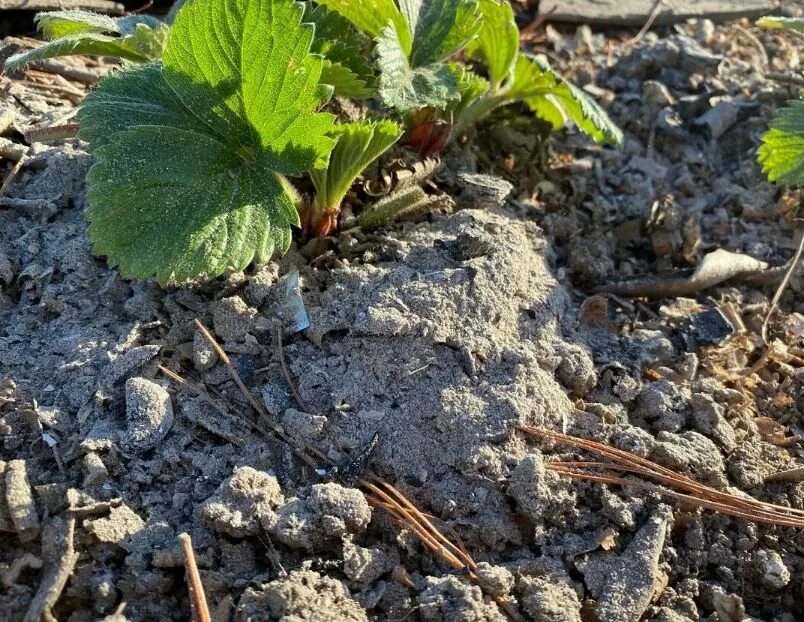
x=439 y=336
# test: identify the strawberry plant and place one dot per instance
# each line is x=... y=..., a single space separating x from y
x=358 y=145
x=220 y=105
x=782 y=151
x=193 y=154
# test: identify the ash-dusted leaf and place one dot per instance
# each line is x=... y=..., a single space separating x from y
x=782 y=151
x=358 y=145
x=346 y=66
x=558 y=101
x=778 y=23
x=55 y=24
x=192 y=154
x=372 y=17
x=80 y=32
x=144 y=45
x=440 y=28
x=497 y=43
x=404 y=87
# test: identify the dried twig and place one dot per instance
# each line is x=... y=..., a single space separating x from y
x=264 y=416
x=47 y=134
x=12 y=174
x=60 y=559
x=288 y=378
x=794 y=263
x=654 y=13
x=693 y=492
x=194 y=585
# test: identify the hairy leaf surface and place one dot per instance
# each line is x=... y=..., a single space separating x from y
x=372 y=17
x=346 y=67
x=497 y=42
x=405 y=87
x=358 y=145
x=782 y=151
x=192 y=154
x=439 y=28
x=558 y=101
x=134 y=38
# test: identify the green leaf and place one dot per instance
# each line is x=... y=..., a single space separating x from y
x=192 y=155
x=55 y=24
x=782 y=151
x=358 y=145
x=346 y=65
x=136 y=38
x=777 y=23
x=404 y=87
x=344 y=82
x=440 y=28
x=372 y=17
x=558 y=101
x=471 y=87
x=497 y=43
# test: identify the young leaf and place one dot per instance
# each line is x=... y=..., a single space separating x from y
x=134 y=38
x=358 y=145
x=471 y=87
x=497 y=43
x=346 y=66
x=777 y=23
x=782 y=151
x=558 y=101
x=404 y=87
x=440 y=28
x=192 y=155
x=372 y=17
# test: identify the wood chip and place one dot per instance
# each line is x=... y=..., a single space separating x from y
x=21 y=506
x=101 y=6
x=59 y=559
x=637 y=12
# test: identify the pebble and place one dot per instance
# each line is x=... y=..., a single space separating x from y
x=96 y=473
x=233 y=319
x=204 y=355
x=149 y=414
x=772 y=569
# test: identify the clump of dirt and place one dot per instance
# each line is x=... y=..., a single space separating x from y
x=430 y=343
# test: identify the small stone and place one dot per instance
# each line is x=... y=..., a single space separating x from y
x=233 y=319
x=204 y=355
x=545 y=599
x=242 y=502
x=482 y=191
x=772 y=569
x=117 y=528
x=709 y=420
x=129 y=363
x=149 y=414
x=495 y=580
x=634 y=577
x=705 y=329
x=718 y=120
x=301 y=595
x=21 y=505
x=6 y=523
x=657 y=94
x=96 y=473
